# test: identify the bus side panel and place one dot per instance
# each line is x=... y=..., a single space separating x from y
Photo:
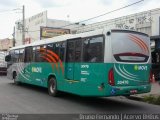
x=131 y=74
x=92 y=76
x=94 y=82
x=23 y=72
x=93 y=79
x=37 y=73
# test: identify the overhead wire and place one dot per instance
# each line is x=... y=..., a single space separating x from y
x=105 y=13
x=98 y=15
x=3 y=11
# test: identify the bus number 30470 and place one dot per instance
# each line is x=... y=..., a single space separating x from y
x=124 y=82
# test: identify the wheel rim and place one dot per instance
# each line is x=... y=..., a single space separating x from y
x=52 y=87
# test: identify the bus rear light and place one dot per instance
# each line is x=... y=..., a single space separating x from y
x=111 y=77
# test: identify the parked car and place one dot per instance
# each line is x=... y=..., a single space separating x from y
x=3 y=64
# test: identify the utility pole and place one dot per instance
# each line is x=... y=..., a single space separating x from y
x=14 y=41
x=23 y=25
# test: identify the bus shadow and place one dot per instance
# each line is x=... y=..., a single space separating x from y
x=30 y=87
x=109 y=104
x=101 y=104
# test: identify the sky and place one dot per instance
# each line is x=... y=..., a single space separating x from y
x=70 y=10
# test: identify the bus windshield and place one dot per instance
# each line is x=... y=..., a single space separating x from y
x=130 y=46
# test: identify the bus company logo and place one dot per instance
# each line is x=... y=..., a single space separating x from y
x=37 y=69
x=52 y=58
x=140 y=68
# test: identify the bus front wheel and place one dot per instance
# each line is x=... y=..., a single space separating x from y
x=14 y=78
x=52 y=87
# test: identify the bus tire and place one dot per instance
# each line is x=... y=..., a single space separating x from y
x=52 y=87
x=14 y=78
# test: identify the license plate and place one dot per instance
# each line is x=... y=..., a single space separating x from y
x=133 y=91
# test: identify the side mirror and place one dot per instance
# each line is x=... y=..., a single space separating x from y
x=8 y=58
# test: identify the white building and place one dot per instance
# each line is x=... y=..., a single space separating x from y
x=34 y=25
x=5 y=44
x=147 y=22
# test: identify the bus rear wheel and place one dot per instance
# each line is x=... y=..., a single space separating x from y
x=52 y=87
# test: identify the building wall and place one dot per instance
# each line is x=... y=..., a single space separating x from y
x=147 y=22
x=5 y=44
x=155 y=22
x=57 y=23
x=32 y=28
x=33 y=25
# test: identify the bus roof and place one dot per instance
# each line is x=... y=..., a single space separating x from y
x=70 y=36
x=60 y=38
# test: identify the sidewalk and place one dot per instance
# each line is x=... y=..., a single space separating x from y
x=155 y=90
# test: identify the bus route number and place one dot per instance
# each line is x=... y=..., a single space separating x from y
x=84 y=66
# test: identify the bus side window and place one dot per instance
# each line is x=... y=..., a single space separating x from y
x=37 y=53
x=86 y=51
x=12 y=56
x=56 y=47
x=78 y=50
x=21 y=55
x=53 y=49
x=74 y=50
x=70 y=51
x=16 y=55
x=33 y=53
x=40 y=53
x=28 y=54
x=93 y=49
x=62 y=50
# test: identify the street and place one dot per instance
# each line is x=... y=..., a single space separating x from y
x=31 y=99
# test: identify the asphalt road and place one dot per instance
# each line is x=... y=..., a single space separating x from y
x=31 y=99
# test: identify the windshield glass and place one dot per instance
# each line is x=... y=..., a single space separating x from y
x=128 y=46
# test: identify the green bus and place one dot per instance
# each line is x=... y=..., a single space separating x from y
x=97 y=63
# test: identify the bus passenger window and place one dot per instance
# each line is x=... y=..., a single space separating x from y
x=21 y=55
x=62 y=50
x=70 y=51
x=12 y=55
x=16 y=56
x=56 y=47
x=28 y=54
x=54 y=50
x=93 y=49
x=40 y=54
x=78 y=47
x=74 y=49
